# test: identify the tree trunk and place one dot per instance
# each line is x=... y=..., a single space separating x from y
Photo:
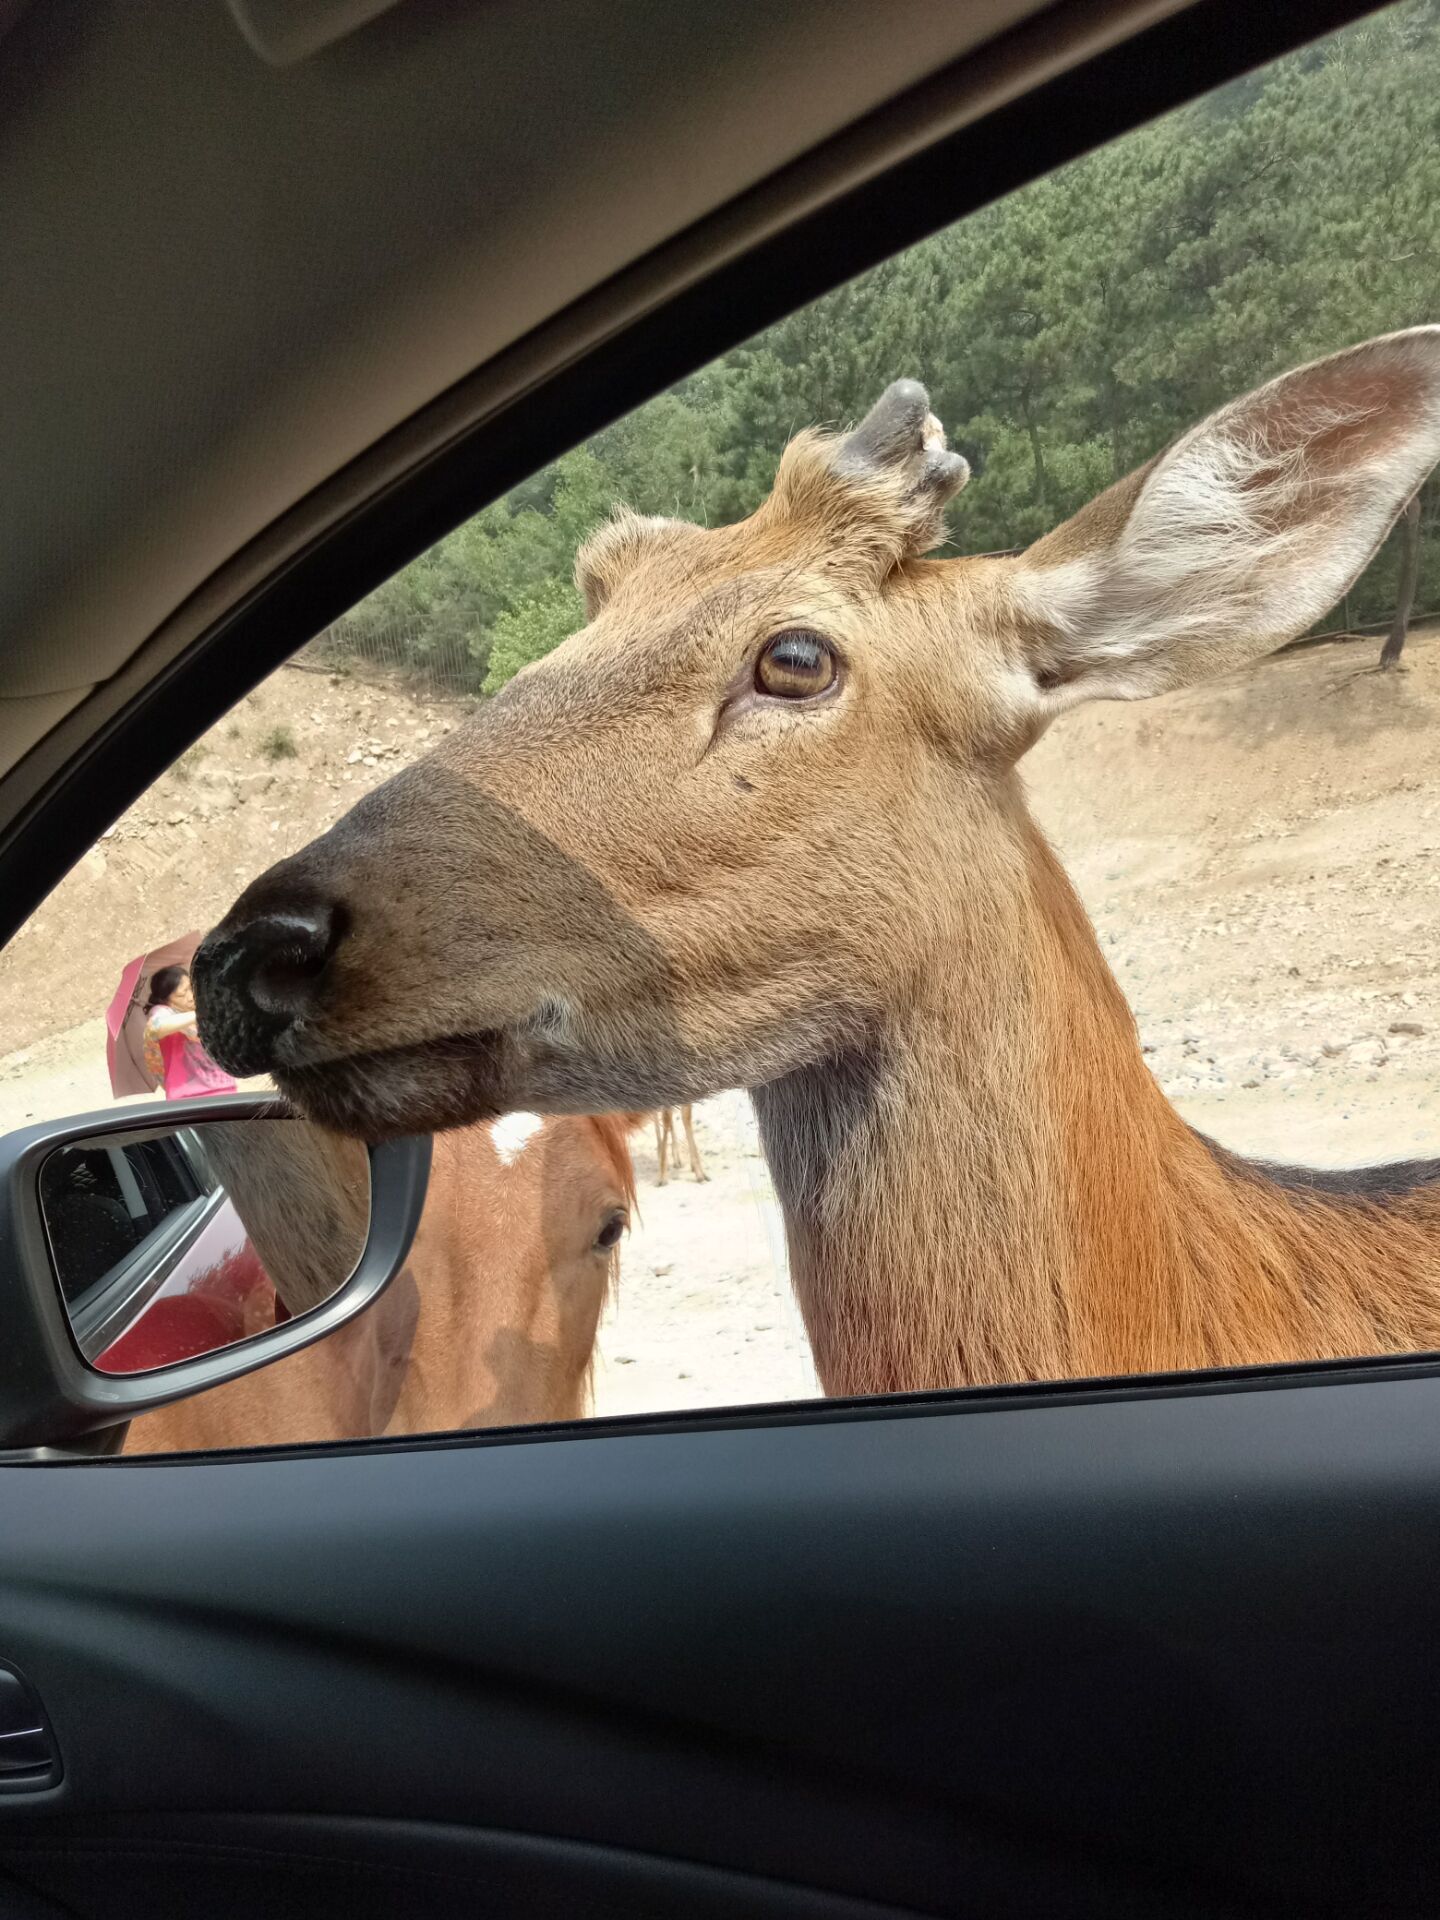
x=1409 y=575
x=1037 y=455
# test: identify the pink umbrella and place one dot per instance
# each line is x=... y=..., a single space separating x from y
x=125 y=1017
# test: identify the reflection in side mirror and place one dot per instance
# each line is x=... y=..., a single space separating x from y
x=173 y=1242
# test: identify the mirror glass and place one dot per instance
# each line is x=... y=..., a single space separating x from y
x=169 y=1242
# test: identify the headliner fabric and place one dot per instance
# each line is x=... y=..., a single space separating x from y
x=224 y=280
x=25 y=721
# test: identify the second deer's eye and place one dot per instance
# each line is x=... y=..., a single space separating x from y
x=795 y=665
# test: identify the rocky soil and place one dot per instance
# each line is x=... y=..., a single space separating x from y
x=278 y=769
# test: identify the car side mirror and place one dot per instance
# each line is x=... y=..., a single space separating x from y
x=151 y=1252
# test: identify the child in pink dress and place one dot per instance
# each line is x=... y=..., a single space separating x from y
x=173 y=1052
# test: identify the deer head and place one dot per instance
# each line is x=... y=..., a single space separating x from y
x=766 y=800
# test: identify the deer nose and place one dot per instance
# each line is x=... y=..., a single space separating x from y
x=256 y=976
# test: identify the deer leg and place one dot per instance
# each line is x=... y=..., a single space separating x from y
x=696 y=1167
x=662 y=1131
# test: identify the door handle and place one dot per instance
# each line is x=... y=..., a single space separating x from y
x=28 y=1757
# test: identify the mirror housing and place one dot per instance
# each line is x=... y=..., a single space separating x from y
x=50 y=1396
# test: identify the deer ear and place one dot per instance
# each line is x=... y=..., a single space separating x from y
x=1240 y=536
x=617 y=547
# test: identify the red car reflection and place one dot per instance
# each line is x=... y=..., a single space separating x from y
x=218 y=1293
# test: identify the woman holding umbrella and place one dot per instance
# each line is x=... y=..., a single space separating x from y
x=151 y=1037
x=173 y=1052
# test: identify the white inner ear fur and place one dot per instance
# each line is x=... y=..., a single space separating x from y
x=1247 y=531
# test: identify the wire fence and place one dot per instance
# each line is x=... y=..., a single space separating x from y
x=405 y=652
x=1370 y=630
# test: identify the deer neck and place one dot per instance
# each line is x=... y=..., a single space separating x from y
x=995 y=1188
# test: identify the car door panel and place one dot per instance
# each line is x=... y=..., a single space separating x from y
x=1154 y=1653
x=234 y=1869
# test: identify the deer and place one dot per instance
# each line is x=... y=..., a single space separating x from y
x=667 y=1147
x=491 y=1322
x=854 y=913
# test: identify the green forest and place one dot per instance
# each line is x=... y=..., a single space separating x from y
x=1066 y=334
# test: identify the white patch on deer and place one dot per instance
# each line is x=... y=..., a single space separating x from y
x=512 y=1133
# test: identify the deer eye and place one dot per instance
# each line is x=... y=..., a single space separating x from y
x=609 y=1234
x=795 y=665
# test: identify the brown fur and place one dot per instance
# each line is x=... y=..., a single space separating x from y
x=491 y=1323
x=1084 y=1228
x=851 y=911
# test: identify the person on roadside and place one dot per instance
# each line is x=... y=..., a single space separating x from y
x=173 y=1052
